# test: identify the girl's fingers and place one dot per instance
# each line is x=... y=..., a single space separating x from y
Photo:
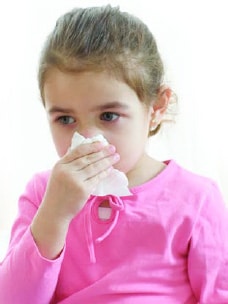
x=86 y=165
x=96 y=168
x=104 y=157
x=82 y=162
x=85 y=150
x=94 y=180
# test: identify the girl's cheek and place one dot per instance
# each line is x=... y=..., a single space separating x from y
x=62 y=147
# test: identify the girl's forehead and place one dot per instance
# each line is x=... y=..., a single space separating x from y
x=55 y=74
x=89 y=80
x=88 y=86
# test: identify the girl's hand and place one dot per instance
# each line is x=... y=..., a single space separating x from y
x=74 y=177
x=71 y=182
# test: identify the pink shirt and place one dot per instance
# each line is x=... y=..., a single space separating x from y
x=167 y=243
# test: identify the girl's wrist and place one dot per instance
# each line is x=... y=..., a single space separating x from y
x=49 y=233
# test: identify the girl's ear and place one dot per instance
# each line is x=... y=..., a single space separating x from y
x=162 y=101
x=160 y=106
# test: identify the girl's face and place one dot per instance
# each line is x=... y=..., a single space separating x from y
x=95 y=103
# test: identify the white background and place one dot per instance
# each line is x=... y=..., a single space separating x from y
x=192 y=38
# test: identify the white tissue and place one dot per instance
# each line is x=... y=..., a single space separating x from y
x=116 y=183
x=78 y=139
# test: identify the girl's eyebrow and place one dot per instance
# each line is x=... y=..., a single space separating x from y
x=110 y=105
x=102 y=107
x=56 y=109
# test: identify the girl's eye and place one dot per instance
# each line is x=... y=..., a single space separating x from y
x=66 y=120
x=109 y=116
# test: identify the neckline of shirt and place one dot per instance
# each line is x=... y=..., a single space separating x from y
x=156 y=180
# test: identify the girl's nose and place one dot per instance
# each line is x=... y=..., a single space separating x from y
x=88 y=132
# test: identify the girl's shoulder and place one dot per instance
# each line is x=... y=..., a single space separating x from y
x=179 y=181
x=36 y=187
x=182 y=190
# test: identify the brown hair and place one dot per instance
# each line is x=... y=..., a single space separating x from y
x=105 y=39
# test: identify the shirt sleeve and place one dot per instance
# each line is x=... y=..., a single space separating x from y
x=208 y=252
x=25 y=276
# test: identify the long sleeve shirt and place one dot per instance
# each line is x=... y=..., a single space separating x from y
x=165 y=243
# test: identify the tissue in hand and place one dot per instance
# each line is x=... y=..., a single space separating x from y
x=116 y=182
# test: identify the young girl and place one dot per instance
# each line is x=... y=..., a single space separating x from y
x=164 y=242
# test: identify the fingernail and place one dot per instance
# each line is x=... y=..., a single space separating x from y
x=111 y=148
x=116 y=156
x=109 y=169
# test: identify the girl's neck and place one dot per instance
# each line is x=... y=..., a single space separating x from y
x=145 y=170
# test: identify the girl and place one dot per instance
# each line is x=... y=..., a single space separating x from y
x=164 y=242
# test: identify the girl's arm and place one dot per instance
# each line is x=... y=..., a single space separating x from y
x=25 y=276
x=30 y=271
x=208 y=254
x=72 y=181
